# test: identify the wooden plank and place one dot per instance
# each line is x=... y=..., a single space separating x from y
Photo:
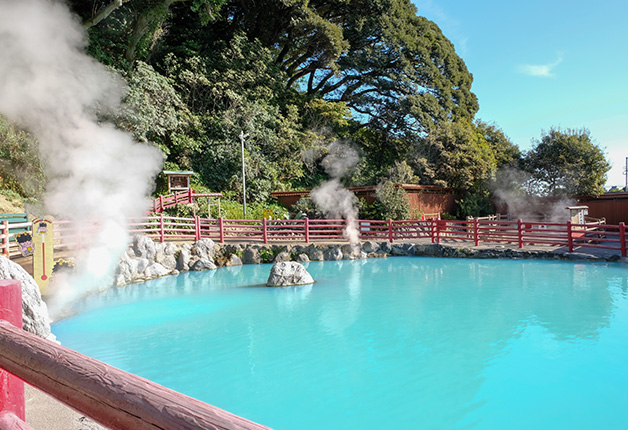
x=114 y=398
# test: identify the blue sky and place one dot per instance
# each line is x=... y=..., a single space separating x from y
x=538 y=64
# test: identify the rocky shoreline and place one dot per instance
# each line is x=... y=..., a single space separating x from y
x=147 y=259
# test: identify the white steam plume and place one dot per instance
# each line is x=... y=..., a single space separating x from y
x=331 y=197
x=49 y=86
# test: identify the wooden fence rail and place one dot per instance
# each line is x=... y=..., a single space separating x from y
x=112 y=397
x=161 y=227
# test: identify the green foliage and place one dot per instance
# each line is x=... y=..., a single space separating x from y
x=453 y=155
x=392 y=201
x=20 y=169
x=566 y=162
x=475 y=204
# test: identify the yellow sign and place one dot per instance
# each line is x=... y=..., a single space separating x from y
x=268 y=213
x=43 y=246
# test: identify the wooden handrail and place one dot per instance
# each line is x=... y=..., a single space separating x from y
x=112 y=397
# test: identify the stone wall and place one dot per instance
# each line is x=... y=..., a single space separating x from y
x=146 y=259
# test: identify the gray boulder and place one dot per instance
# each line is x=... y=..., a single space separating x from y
x=251 y=256
x=282 y=256
x=156 y=270
x=144 y=247
x=288 y=273
x=315 y=254
x=333 y=254
x=205 y=249
x=233 y=260
x=183 y=260
x=203 y=264
x=303 y=258
x=35 y=317
x=369 y=247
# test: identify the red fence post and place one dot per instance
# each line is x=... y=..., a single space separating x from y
x=162 y=233
x=569 y=236
x=476 y=231
x=390 y=230
x=265 y=230
x=5 y=238
x=432 y=230
x=161 y=203
x=520 y=232
x=190 y=197
x=438 y=227
x=622 y=238
x=11 y=387
x=307 y=230
x=221 y=226
x=197 y=228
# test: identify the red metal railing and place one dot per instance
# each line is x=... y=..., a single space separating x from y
x=161 y=227
x=114 y=398
x=179 y=198
x=612 y=237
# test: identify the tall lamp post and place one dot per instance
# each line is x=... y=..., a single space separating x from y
x=242 y=137
x=626 y=175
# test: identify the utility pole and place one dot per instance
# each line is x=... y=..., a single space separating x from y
x=242 y=137
x=626 y=175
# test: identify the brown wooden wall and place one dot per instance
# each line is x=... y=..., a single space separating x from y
x=612 y=206
x=423 y=198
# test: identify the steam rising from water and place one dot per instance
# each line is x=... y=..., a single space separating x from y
x=331 y=197
x=96 y=173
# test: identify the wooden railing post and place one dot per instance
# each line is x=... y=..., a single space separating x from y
x=622 y=238
x=438 y=227
x=190 y=196
x=307 y=230
x=221 y=228
x=162 y=232
x=265 y=230
x=520 y=232
x=161 y=203
x=197 y=228
x=390 y=230
x=5 y=238
x=11 y=387
x=432 y=230
x=569 y=236
x=476 y=231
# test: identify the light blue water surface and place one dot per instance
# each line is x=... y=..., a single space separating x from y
x=398 y=343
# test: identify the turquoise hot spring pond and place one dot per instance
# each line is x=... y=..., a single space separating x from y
x=397 y=343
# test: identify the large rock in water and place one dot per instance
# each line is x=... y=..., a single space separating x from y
x=35 y=318
x=288 y=273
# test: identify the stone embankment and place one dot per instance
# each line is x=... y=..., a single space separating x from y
x=146 y=259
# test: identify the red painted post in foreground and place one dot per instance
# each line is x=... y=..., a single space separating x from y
x=11 y=387
x=190 y=196
x=476 y=233
x=520 y=232
x=390 y=230
x=438 y=226
x=5 y=238
x=622 y=238
x=161 y=203
x=569 y=237
x=221 y=227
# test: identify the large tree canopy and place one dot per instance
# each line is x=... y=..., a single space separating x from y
x=567 y=162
